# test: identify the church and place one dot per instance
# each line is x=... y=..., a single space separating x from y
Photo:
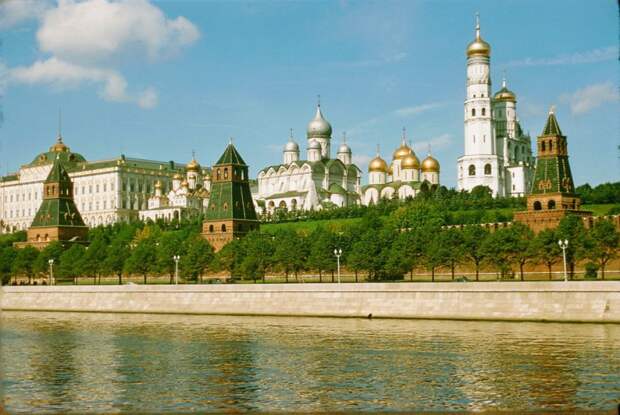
x=312 y=183
x=403 y=178
x=497 y=153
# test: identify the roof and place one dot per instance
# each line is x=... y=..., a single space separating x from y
x=231 y=156
x=553 y=175
x=552 y=127
x=417 y=185
x=58 y=173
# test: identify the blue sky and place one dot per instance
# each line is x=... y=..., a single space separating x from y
x=162 y=78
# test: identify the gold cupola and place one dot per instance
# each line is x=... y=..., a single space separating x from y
x=404 y=150
x=410 y=161
x=478 y=47
x=193 y=165
x=505 y=94
x=377 y=165
x=59 y=146
x=158 y=184
x=430 y=165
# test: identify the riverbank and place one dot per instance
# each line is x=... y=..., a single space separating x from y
x=574 y=301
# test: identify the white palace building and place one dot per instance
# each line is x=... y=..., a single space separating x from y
x=105 y=191
x=497 y=152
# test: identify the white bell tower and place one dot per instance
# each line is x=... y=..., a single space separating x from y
x=480 y=164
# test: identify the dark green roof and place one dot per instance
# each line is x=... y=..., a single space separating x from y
x=66 y=157
x=552 y=127
x=230 y=200
x=58 y=172
x=231 y=156
x=553 y=175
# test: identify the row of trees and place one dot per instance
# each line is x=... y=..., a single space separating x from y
x=603 y=193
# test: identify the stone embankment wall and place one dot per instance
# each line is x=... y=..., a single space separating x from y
x=576 y=301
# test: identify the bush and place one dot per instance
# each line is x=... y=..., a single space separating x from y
x=591 y=271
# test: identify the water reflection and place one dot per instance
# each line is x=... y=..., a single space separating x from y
x=107 y=363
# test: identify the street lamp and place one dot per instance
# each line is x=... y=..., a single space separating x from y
x=51 y=262
x=176 y=268
x=338 y=253
x=564 y=244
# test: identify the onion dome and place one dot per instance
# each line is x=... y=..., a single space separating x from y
x=177 y=176
x=319 y=126
x=157 y=184
x=377 y=165
x=404 y=150
x=193 y=165
x=344 y=147
x=505 y=94
x=184 y=183
x=314 y=145
x=430 y=165
x=291 y=146
x=478 y=47
x=410 y=161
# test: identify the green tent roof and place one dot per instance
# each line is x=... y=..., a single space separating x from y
x=231 y=156
x=552 y=127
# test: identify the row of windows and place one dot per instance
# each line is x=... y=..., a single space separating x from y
x=96 y=188
x=31 y=196
x=16 y=213
x=473 y=112
x=487 y=170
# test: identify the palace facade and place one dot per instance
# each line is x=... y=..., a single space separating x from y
x=105 y=191
x=497 y=152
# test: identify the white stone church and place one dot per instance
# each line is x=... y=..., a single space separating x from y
x=498 y=154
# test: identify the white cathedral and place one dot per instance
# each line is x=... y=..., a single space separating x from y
x=497 y=152
x=315 y=182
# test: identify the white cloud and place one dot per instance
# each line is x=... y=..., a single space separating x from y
x=441 y=141
x=87 y=41
x=592 y=56
x=361 y=160
x=409 y=111
x=590 y=97
x=14 y=12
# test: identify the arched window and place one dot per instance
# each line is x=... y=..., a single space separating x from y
x=225 y=173
x=487 y=169
x=537 y=205
x=472 y=170
x=542 y=146
x=218 y=174
x=551 y=205
x=550 y=145
x=473 y=112
x=484 y=111
x=223 y=227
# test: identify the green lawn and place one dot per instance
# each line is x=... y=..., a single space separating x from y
x=600 y=210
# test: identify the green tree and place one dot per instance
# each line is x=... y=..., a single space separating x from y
x=290 y=252
x=115 y=257
x=53 y=251
x=321 y=255
x=24 y=262
x=546 y=248
x=142 y=259
x=500 y=250
x=605 y=243
x=7 y=256
x=229 y=258
x=258 y=255
x=198 y=257
x=473 y=242
x=571 y=228
x=168 y=245
x=94 y=257
x=523 y=248
x=453 y=240
x=72 y=262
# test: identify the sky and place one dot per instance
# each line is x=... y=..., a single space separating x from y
x=160 y=79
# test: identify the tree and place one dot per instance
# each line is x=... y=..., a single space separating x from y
x=94 y=257
x=24 y=262
x=473 y=241
x=168 y=245
x=605 y=240
x=52 y=251
x=500 y=249
x=142 y=259
x=452 y=239
x=571 y=228
x=321 y=255
x=523 y=251
x=72 y=262
x=116 y=254
x=198 y=257
x=7 y=256
x=546 y=248
x=257 y=259
x=290 y=252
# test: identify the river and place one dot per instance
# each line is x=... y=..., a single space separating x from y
x=60 y=362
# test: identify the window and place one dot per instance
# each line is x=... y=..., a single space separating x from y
x=473 y=112
x=537 y=205
x=211 y=228
x=225 y=173
x=484 y=111
x=472 y=170
x=542 y=146
x=550 y=145
x=218 y=175
x=551 y=205
x=487 y=169
x=223 y=227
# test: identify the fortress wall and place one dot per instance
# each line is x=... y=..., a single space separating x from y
x=575 y=301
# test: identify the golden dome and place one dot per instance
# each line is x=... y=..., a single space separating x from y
x=402 y=151
x=410 y=161
x=157 y=184
x=59 y=146
x=478 y=47
x=505 y=94
x=377 y=165
x=184 y=183
x=177 y=176
x=430 y=165
x=193 y=166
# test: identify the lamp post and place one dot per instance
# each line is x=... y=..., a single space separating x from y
x=338 y=253
x=564 y=244
x=176 y=268
x=51 y=262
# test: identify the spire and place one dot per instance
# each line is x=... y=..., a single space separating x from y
x=552 y=127
x=290 y=135
x=378 y=149
x=59 y=137
x=318 y=100
x=429 y=149
x=404 y=137
x=504 y=79
x=344 y=137
x=477 y=26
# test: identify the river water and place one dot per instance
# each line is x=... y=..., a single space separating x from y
x=70 y=362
